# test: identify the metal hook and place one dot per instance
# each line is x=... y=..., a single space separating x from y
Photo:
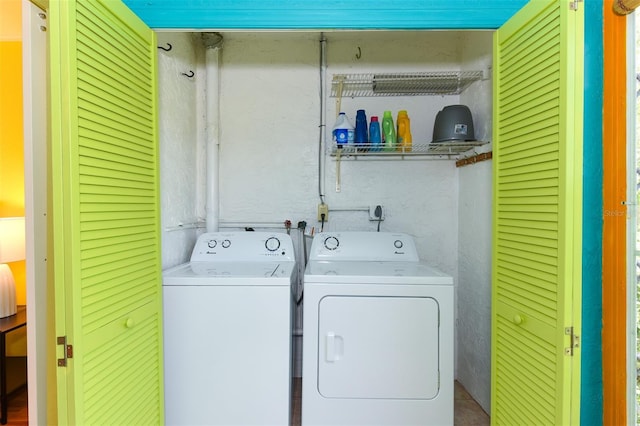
x=359 y=54
x=166 y=49
x=190 y=75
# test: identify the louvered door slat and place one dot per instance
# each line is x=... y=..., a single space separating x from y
x=107 y=216
x=535 y=245
x=121 y=143
x=532 y=104
x=91 y=159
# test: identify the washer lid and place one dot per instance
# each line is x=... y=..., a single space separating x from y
x=360 y=272
x=230 y=273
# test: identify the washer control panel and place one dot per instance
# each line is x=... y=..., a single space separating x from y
x=243 y=246
x=331 y=243
x=363 y=246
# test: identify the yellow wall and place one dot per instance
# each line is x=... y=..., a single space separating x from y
x=12 y=143
x=10 y=22
x=11 y=132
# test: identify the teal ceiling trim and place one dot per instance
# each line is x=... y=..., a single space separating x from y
x=324 y=14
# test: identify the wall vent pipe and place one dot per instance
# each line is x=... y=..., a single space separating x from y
x=322 y=137
x=212 y=43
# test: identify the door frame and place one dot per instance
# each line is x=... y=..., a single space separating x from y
x=632 y=211
x=33 y=384
x=41 y=374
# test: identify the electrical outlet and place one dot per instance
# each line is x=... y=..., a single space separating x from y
x=323 y=209
x=372 y=212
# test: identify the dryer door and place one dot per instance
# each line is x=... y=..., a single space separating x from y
x=378 y=347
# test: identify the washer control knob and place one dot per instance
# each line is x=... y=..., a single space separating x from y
x=226 y=244
x=331 y=243
x=272 y=244
x=398 y=244
x=212 y=243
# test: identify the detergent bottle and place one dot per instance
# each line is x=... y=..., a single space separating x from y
x=404 y=131
x=375 y=138
x=342 y=130
x=361 y=134
x=388 y=131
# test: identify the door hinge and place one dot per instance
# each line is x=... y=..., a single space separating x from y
x=574 y=341
x=67 y=351
x=573 y=5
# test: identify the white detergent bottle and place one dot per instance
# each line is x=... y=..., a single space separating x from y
x=343 y=131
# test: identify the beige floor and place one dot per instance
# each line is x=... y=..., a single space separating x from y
x=467 y=412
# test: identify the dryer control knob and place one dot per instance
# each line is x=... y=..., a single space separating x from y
x=331 y=243
x=226 y=244
x=398 y=244
x=272 y=244
x=212 y=243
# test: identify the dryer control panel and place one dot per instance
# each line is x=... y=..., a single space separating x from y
x=364 y=246
x=243 y=246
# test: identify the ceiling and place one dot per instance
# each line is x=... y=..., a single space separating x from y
x=323 y=15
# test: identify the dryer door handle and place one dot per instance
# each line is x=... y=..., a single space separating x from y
x=334 y=347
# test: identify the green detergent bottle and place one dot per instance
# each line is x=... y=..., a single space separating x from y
x=388 y=131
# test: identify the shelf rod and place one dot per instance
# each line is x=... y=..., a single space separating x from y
x=338 y=188
x=474 y=159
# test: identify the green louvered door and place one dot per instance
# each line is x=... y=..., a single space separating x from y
x=106 y=214
x=537 y=210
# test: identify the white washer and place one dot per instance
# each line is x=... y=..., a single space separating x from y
x=227 y=331
x=378 y=334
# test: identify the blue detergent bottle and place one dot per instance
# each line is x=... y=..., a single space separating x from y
x=361 y=134
x=375 y=139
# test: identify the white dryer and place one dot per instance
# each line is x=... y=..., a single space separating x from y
x=378 y=334
x=227 y=331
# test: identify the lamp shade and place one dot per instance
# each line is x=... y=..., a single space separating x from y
x=12 y=236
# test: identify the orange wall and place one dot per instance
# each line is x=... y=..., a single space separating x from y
x=11 y=132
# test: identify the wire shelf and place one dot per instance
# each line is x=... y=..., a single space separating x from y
x=442 y=149
x=403 y=84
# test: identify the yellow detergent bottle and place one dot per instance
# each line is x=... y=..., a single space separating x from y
x=404 y=131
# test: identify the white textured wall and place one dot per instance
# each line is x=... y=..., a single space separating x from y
x=181 y=144
x=268 y=127
x=474 y=236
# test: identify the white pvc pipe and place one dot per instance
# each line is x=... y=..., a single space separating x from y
x=213 y=137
